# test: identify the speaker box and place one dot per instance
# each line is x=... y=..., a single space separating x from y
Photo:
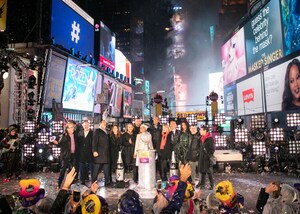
x=4 y=206
x=31 y=167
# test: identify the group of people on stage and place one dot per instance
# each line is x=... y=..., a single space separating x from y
x=98 y=150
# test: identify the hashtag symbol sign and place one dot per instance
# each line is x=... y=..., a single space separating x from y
x=75 y=32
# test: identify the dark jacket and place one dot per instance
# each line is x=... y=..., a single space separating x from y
x=60 y=202
x=166 y=153
x=262 y=200
x=65 y=147
x=156 y=134
x=101 y=145
x=115 y=147
x=84 y=146
x=177 y=199
x=182 y=147
x=194 y=147
x=175 y=137
x=207 y=149
x=128 y=149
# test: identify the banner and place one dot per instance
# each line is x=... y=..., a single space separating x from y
x=3 y=6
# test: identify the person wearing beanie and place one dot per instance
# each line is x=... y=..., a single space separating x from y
x=11 y=147
x=130 y=202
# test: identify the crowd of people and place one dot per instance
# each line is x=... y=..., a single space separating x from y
x=85 y=152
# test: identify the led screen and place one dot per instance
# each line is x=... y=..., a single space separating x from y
x=122 y=67
x=249 y=96
x=264 y=37
x=98 y=96
x=71 y=27
x=230 y=100
x=55 y=79
x=113 y=90
x=127 y=102
x=79 y=87
x=233 y=58
x=276 y=86
x=290 y=13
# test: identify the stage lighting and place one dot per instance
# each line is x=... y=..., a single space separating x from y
x=257 y=121
x=30 y=114
x=57 y=127
x=241 y=135
x=55 y=152
x=29 y=127
x=294 y=147
x=43 y=138
x=276 y=134
x=5 y=75
x=31 y=82
x=293 y=119
x=28 y=150
x=191 y=119
x=259 y=148
x=31 y=99
x=240 y=121
x=50 y=158
x=163 y=119
x=221 y=141
x=275 y=121
x=219 y=119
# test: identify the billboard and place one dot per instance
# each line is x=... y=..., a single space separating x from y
x=249 y=96
x=55 y=80
x=122 y=67
x=71 y=27
x=264 y=37
x=113 y=91
x=127 y=101
x=99 y=98
x=230 y=100
x=79 y=87
x=216 y=83
x=290 y=12
x=283 y=94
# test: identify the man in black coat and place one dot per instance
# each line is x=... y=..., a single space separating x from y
x=84 y=148
x=100 y=150
x=207 y=149
x=136 y=125
x=155 y=131
x=174 y=133
x=194 y=150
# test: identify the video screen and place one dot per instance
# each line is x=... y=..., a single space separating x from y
x=123 y=67
x=71 y=27
x=79 y=87
x=249 y=96
x=230 y=100
x=127 y=102
x=98 y=96
x=263 y=37
x=113 y=90
x=282 y=85
x=290 y=13
x=233 y=58
x=107 y=47
x=55 y=80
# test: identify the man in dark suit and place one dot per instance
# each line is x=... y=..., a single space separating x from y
x=155 y=131
x=174 y=133
x=100 y=150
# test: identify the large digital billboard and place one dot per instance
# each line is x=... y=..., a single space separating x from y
x=79 y=87
x=99 y=98
x=71 y=27
x=122 y=67
x=290 y=13
x=263 y=37
x=230 y=100
x=233 y=58
x=282 y=84
x=113 y=90
x=55 y=80
x=127 y=101
x=249 y=96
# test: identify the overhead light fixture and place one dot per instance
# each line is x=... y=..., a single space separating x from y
x=5 y=75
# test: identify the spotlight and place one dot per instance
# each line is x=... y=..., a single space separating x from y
x=28 y=150
x=5 y=75
x=57 y=127
x=43 y=138
x=163 y=119
x=257 y=121
x=55 y=152
x=29 y=127
x=294 y=147
x=259 y=148
x=276 y=134
x=241 y=135
x=240 y=121
x=30 y=114
x=40 y=151
x=50 y=158
x=31 y=82
x=219 y=119
x=293 y=119
x=31 y=99
x=191 y=119
x=221 y=141
x=275 y=121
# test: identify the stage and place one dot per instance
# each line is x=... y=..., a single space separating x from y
x=247 y=184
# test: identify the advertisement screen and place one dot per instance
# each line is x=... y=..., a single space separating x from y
x=107 y=47
x=263 y=37
x=113 y=90
x=55 y=79
x=290 y=13
x=79 y=87
x=122 y=67
x=230 y=100
x=71 y=27
x=127 y=102
x=249 y=96
x=282 y=88
x=233 y=58
x=99 y=98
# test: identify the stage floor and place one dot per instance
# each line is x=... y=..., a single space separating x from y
x=247 y=184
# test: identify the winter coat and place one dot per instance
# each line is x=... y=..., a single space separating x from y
x=194 y=147
x=84 y=146
x=156 y=134
x=65 y=147
x=166 y=153
x=207 y=149
x=181 y=148
x=128 y=148
x=59 y=204
x=115 y=147
x=101 y=145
